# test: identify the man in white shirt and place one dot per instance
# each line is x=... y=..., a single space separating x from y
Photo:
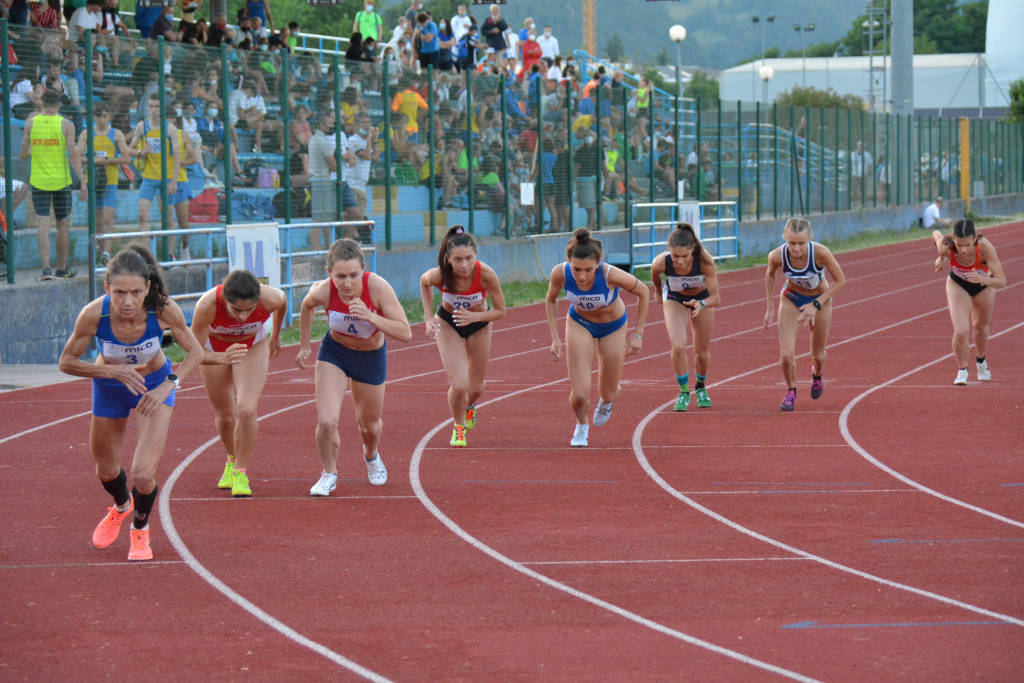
x=932 y=218
x=362 y=146
x=548 y=45
x=84 y=18
x=859 y=161
x=323 y=174
x=460 y=23
x=253 y=110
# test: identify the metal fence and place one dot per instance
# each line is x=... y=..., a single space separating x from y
x=261 y=135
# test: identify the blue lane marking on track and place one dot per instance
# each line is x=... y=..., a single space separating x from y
x=896 y=624
x=949 y=540
x=1016 y=483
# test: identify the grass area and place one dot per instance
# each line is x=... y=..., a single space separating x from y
x=523 y=293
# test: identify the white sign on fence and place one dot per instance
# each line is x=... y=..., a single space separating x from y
x=689 y=212
x=256 y=248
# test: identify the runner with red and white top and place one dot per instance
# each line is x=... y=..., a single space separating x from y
x=231 y=322
x=974 y=275
x=361 y=309
x=462 y=324
x=806 y=300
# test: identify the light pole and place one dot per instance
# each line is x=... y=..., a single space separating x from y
x=870 y=25
x=678 y=34
x=770 y=19
x=766 y=73
x=803 y=46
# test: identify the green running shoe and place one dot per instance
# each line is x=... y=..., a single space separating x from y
x=240 y=485
x=683 y=402
x=225 y=479
x=703 y=400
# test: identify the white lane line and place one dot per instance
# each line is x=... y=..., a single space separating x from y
x=167 y=522
x=844 y=427
x=638 y=451
x=417 y=486
x=230 y=499
x=78 y=565
x=696 y=560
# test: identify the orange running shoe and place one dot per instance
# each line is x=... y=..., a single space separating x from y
x=471 y=417
x=140 y=549
x=109 y=527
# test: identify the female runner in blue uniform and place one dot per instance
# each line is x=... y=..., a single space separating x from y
x=462 y=324
x=690 y=295
x=806 y=300
x=130 y=375
x=596 y=322
x=361 y=309
x=974 y=275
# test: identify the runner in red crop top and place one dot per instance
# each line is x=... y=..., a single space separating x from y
x=230 y=321
x=362 y=309
x=462 y=323
x=975 y=274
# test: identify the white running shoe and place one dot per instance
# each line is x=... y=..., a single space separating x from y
x=184 y=255
x=961 y=377
x=983 y=372
x=579 y=437
x=376 y=472
x=602 y=412
x=324 y=485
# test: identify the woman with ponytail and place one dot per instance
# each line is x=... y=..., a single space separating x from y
x=130 y=373
x=596 y=324
x=690 y=294
x=975 y=274
x=462 y=324
x=806 y=300
x=231 y=322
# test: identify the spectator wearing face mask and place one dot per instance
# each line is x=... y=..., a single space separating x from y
x=430 y=45
x=548 y=45
x=460 y=23
x=259 y=9
x=368 y=23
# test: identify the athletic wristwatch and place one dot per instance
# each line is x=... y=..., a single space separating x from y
x=174 y=378
x=816 y=304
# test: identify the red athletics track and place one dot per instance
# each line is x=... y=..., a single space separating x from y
x=875 y=533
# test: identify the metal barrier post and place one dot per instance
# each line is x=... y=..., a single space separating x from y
x=469 y=140
x=286 y=120
x=627 y=193
x=507 y=204
x=757 y=161
x=568 y=122
x=90 y=162
x=599 y=207
x=540 y=168
x=431 y=190
x=675 y=142
x=5 y=66
x=225 y=115
x=700 y=155
x=837 y=176
x=387 y=156
x=741 y=161
x=718 y=155
x=338 y=190
x=775 y=159
x=874 y=157
x=164 y=146
x=650 y=147
x=899 y=150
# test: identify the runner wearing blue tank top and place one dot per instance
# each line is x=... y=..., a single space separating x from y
x=806 y=299
x=596 y=323
x=131 y=373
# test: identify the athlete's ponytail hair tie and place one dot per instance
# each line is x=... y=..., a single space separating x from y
x=458 y=230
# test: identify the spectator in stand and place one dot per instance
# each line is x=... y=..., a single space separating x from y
x=524 y=34
x=188 y=27
x=145 y=17
x=494 y=30
x=548 y=45
x=84 y=18
x=259 y=9
x=293 y=35
x=446 y=41
x=354 y=53
x=414 y=9
x=429 y=44
x=465 y=50
x=368 y=23
x=254 y=111
x=16 y=12
x=113 y=32
x=299 y=129
x=531 y=54
x=49 y=141
x=215 y=34
x=554 y=72
x=587 y=172
x=932 y=216
x=461 y=22
x=45 y=15
x=410 y=103
x=260 y=32
x=323 y=170
x=164 y=26
x=26 y=96
x=860 y=160
x=362 y=144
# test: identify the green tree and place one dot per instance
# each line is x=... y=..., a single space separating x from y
x=813 y=97
x=702 y=86
x=614 y=49
x=940 y=26
x=1015 y=114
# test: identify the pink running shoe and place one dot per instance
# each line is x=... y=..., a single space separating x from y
x=109 y=527
x=817 y=387
x=789 y=402
x=140 y=549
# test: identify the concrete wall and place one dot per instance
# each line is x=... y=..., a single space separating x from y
x=37 y=317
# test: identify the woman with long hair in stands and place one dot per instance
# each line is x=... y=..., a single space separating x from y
x=596 y=323
x=130 y=373
x=690 y=294
x=362 y=308
x=462 y=324
x=975 y=274
x=806 y=300
x=231 y=322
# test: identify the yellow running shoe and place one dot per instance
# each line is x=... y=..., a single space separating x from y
x=225 y=479
x=140 y=549
x=471 y=417
x=459 y=436
x=109 y=527
x=240 y=484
